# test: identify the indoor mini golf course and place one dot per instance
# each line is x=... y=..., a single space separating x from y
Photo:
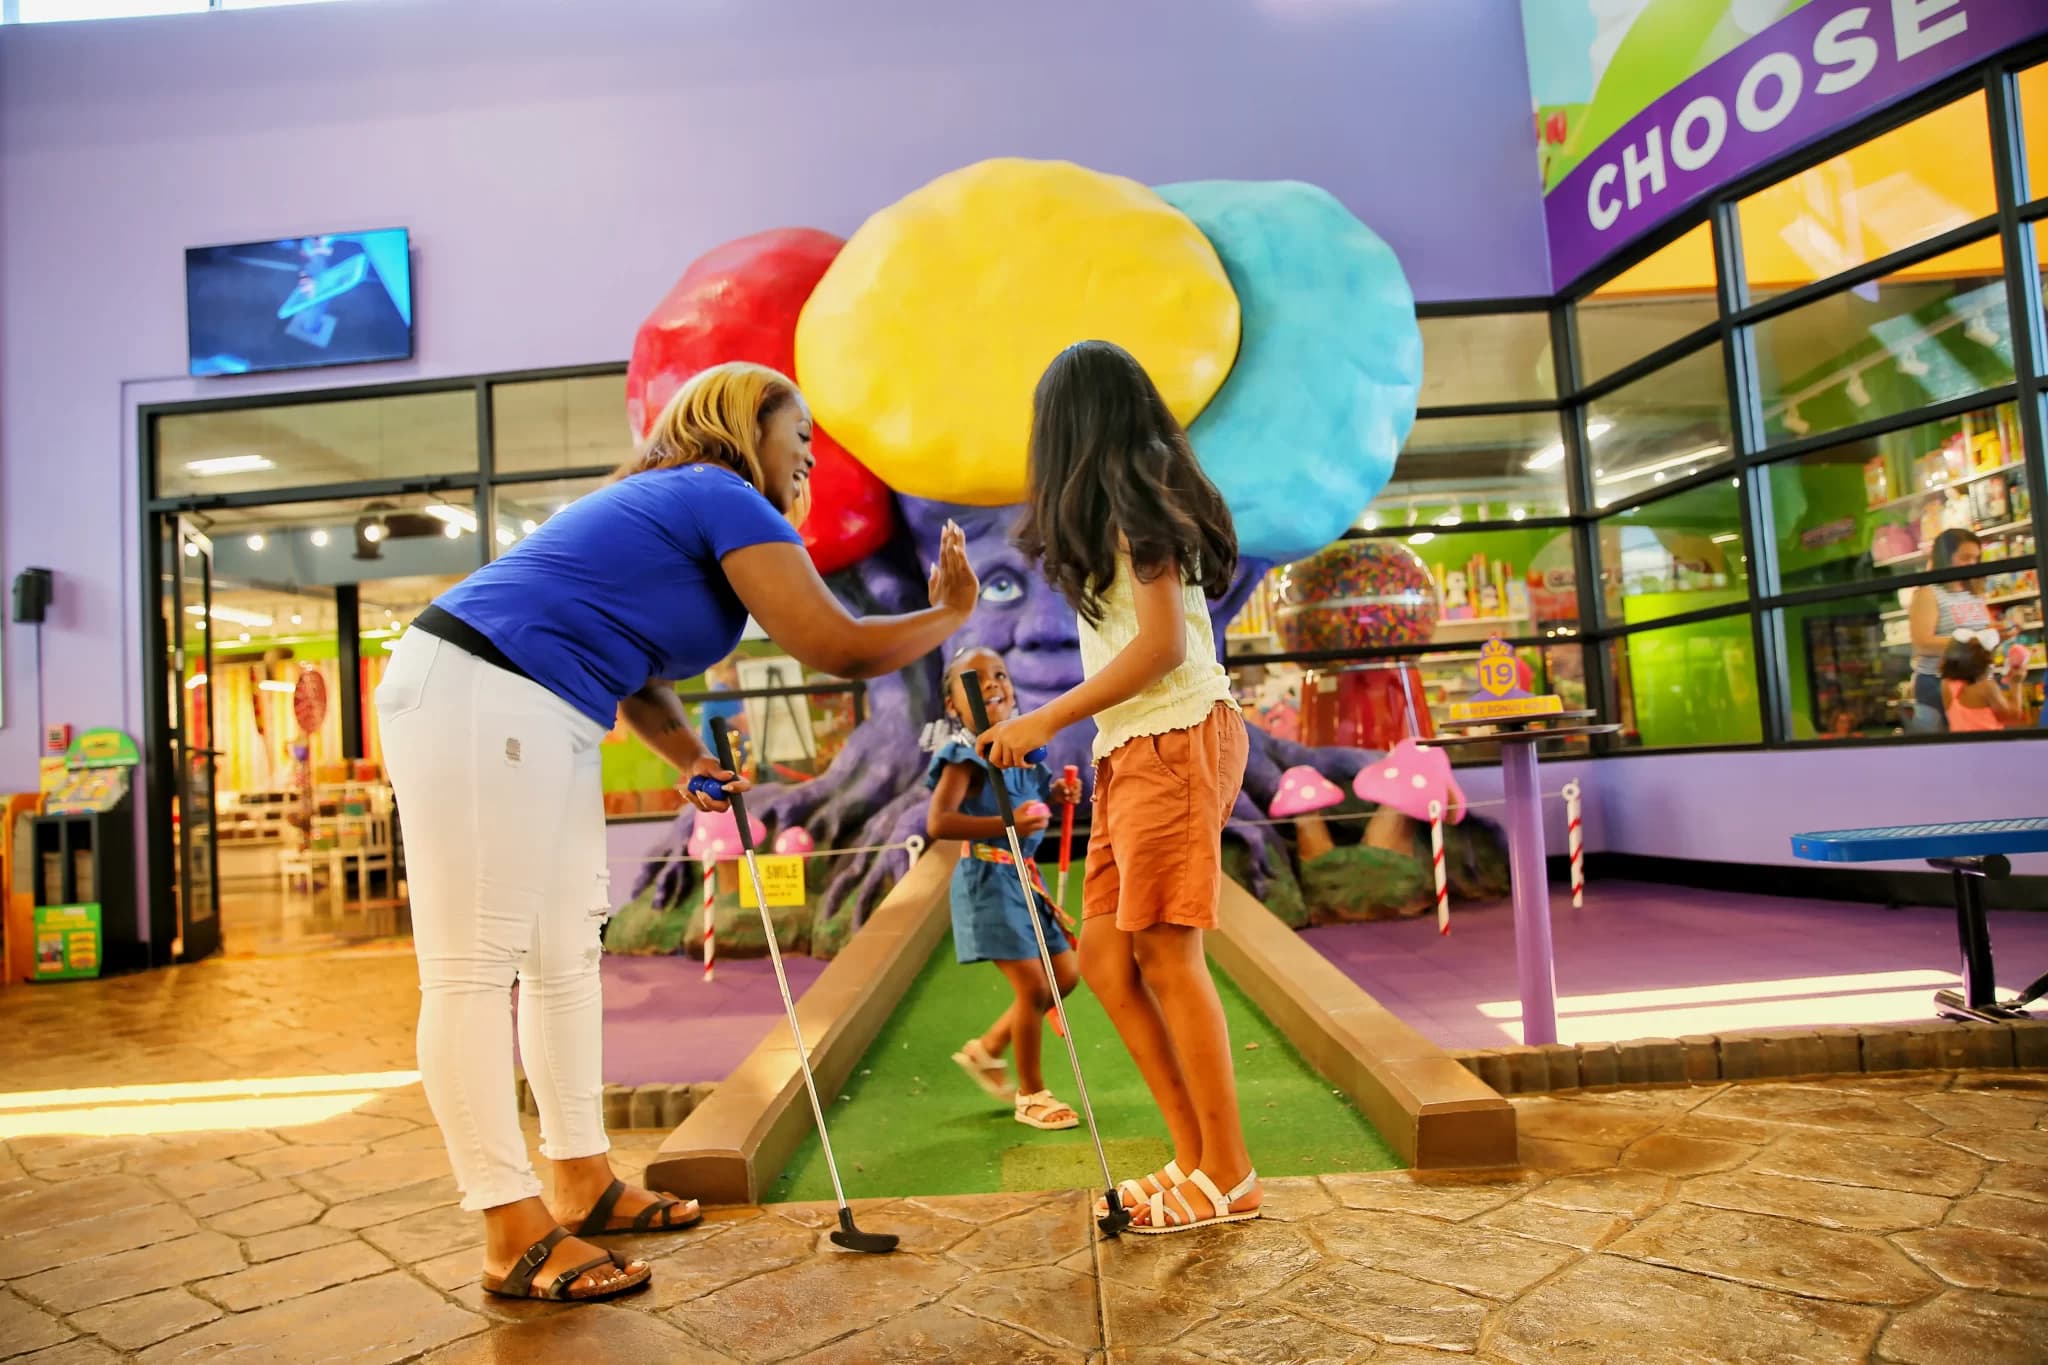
x=908 y=1121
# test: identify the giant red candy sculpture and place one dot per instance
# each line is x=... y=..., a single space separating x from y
x=740 y=301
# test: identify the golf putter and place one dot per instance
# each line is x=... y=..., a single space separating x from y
x=846 y=1235
x=1118 y=1217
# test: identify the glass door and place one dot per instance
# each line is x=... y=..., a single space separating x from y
x=189 y=631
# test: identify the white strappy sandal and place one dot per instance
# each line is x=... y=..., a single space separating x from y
x=985 y=1071
x=1036 y=1110
x=1133 y=1195
x=1182 y=1219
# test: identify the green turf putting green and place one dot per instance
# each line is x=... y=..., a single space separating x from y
x=910 y=1122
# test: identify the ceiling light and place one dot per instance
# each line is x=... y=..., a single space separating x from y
x=1979 y=330
x=460 y=517
x=227 y=464
x=1450 y=518
x=1517 y=514
x=297 y=619
x=319 y=539
x=1727 y=536
x=1793 y=422
x=453 y=531
x=197 y=680
x=389 y=645
x=1624 y=476
x=1911 y=364
x=1422 y=538
x=191 y=550
x=374 y=532
x=257 y=542
x=505 y=536
x=1370 y=521
x=273 y=685
x=528 y=527
x=1597 y=428
x=244 y=637
x=1549 y=457
x=232 y=615
x=1858 y=395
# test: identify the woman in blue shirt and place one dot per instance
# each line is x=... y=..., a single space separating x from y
x=492 y=711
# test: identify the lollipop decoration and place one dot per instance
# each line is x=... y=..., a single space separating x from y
x=1436 y=860
x=1577 y=842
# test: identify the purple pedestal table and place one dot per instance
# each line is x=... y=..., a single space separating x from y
x=1535 y=964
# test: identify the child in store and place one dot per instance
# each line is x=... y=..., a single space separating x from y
x=1974 y=699
x=991 y=922
x=1128 y=527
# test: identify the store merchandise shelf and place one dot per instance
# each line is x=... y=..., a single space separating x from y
x=1963 y=482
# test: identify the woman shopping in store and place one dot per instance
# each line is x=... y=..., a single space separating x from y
x=1935 y=614
x=492 y=711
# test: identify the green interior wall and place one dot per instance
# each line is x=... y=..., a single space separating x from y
x=1695 y=683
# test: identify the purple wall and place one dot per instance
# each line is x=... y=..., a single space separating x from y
x=559 y=164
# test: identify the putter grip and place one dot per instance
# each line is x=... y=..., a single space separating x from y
x=723 y=740
x=972 y=682
x=708 y=786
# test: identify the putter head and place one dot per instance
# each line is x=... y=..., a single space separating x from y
x=853 y=1239
x=1117 y=1219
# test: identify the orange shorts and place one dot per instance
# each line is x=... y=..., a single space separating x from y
x=1155 y=846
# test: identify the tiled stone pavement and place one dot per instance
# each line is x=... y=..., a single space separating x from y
x=1891 y=1218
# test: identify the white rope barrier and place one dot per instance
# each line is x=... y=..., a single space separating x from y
x=1367 y=815
x=914 y=845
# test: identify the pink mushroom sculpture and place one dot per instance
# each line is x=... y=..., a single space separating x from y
x=716 y=836
x=1303 y=793
x=795 y=841
x=1403 y=785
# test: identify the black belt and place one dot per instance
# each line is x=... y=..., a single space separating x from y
x=446 y=625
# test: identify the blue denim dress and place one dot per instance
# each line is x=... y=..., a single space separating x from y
x=990 y=919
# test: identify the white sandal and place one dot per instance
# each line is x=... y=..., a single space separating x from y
x=984 y=1070
x=1044 y=1103
x=1183 y=1219
x=1133 y=1195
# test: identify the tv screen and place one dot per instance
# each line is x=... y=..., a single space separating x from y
x=340 y=299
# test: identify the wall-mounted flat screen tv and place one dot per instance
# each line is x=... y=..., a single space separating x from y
x=344 y=298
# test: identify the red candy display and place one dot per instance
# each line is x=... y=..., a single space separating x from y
x=740 y=301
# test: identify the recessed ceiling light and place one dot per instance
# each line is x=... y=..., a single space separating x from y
x=227 y=464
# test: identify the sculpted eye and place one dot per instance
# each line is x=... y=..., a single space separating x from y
x=1002 y=587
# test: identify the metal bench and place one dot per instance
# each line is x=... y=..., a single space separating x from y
x=1970 y=851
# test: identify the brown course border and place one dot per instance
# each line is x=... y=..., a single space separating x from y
x=1433 y=1111
x=729 y=1147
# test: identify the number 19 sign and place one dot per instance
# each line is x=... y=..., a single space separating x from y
x=1501 y=695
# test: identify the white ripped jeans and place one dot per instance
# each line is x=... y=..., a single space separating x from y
x=502 y=807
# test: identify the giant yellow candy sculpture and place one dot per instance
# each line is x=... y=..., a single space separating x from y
x=920 y=347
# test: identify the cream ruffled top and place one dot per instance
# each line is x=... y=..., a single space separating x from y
x=1179 y=701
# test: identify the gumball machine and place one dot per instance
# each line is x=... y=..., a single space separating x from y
x=1360 y=594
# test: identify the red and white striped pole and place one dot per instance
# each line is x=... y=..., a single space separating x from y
x=1436 y=857
x=710 y=916
x=1577 y=838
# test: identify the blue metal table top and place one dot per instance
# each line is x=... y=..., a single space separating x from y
x=1957 y=839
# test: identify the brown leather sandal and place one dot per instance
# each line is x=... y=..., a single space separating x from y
x=517 y=1283
x=598 y=1222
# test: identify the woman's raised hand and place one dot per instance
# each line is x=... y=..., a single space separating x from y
x=953 y=584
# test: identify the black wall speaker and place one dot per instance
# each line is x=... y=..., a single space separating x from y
x=32 y=589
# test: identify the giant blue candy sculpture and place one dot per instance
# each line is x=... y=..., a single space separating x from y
x=1276 y=324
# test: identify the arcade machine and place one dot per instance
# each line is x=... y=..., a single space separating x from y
x=85 y=919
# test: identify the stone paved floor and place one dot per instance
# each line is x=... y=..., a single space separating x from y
x=307 y=1215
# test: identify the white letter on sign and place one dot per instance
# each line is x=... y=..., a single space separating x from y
x=1785 y=67
x=1688 y=155
x=1834 y=46
x=1912 y=33
x=1600 y=215
x=1650 y=168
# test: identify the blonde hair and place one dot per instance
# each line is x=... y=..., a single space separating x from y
x=715 y=418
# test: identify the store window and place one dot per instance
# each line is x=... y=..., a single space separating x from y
x=1667 y=425
x=345 y=540
x=549 y=424
x=1501 y=358
x=1852 y=657
x=1687 y=685
x=309 y=445
x=1504 y=468
x=520 y=508
x=1676 y=555
x=1873 y=508
x=2033 y=101
x=1935 y=331
x=1913 y=183
x=1670 y=295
